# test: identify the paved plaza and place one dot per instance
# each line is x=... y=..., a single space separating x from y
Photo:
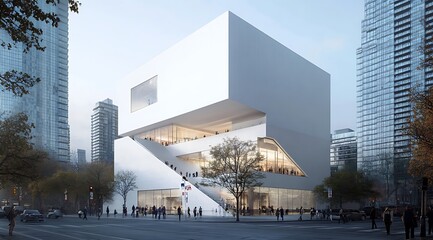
x=250 y=228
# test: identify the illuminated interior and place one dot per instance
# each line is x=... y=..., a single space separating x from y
x=276 y=160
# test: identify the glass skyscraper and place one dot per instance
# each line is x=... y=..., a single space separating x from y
x=47 y=103
x=104 y=127
x=343 y=150
x=392 y=34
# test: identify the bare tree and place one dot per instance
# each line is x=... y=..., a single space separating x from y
x=235 y=167
x=125 y=181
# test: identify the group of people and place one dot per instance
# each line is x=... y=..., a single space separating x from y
x=410 y=220
x=196 y=214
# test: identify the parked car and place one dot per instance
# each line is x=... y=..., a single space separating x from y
x=355 y=215
x=54 y=213
x=31 y=215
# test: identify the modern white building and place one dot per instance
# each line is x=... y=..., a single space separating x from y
x=227 y=79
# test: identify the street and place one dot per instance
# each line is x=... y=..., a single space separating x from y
x=71 y=227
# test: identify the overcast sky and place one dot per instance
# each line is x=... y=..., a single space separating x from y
x=108 y=39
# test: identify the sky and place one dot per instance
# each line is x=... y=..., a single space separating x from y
x=109 y=39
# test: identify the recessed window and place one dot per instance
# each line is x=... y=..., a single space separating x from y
x=144 y=94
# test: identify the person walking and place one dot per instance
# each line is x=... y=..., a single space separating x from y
x=11 y=217
x=301 y=212
x=430 y=219
x=195 y=212
x=200 y=211
x=387 y=219
x=179 y=212
x=373 y=218
x=108 y=211
x=408 y=217
x=189 y=212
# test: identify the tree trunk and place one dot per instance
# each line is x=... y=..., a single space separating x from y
x=237 y=208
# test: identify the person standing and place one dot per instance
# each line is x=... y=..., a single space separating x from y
x=387 y=219
x=407 y=218
x=277 y=213
x=195 y=212
x=108 y=211
x=430 y=219
x=373 y=218
x=200 y=211
x=179 y=212
x=11 y=217
x=281 y=213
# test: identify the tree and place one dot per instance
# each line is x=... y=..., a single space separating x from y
x=18 y=159
x=347 y=186
x=235 y=167
x=99 y=175
x=420 y=128
x=125 y=181
x=17 y=19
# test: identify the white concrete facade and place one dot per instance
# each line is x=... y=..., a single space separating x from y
x=225 y=76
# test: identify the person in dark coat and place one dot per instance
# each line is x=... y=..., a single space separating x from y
x=373 y=218
x=387 y=219
x=430 y=219
x=408 y=217
x=282 y=213
x=179 y=212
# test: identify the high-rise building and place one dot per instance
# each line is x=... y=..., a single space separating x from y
x=81 y=156
x=392 y=33
x=225 y=80
x=47 y=103
x=104 y=131
x=343 y=150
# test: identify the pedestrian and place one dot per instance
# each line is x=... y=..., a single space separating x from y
x=281 y=213
x=11 y=217
x=277 y=213
x=340 y=213
x=108 y=211
x=163 y=212
x=430 y=219
x=85 y=213
x=195 y=212
x=408 y=220
x=115 y=212
x=179 y=212
x=373 y=218
x=189 y=212
x=200 y=211
x=99 y=213
x=387 y=219
x=133 y=211
x=301 y=212
x=125 y=212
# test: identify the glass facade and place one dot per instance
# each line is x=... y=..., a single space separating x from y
x=255 y=201
x=343 y=150
x=276 y=160
x=392 y=33
x=144 y=94
x=47 y=103
x=170 y=198
x=104 y=130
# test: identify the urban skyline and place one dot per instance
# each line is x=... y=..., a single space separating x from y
x=102 y=62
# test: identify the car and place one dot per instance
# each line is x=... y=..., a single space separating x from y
x=355 y=215
x=54 y=213
x=31 y=215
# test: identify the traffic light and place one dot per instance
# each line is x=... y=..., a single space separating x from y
x=14 y=191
